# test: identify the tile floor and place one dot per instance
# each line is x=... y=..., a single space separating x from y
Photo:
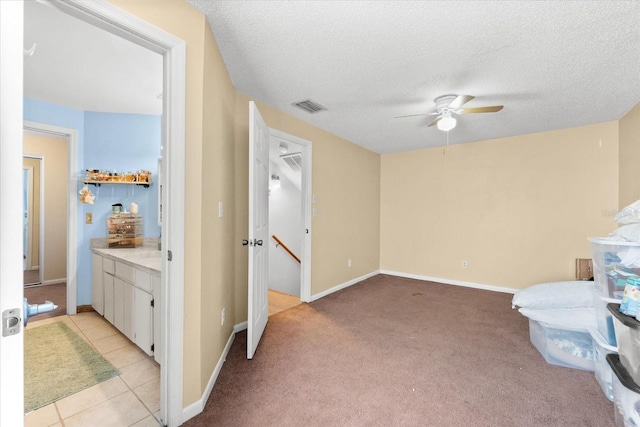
x=130 y=399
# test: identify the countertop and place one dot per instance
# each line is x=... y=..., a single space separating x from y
x=146 y=257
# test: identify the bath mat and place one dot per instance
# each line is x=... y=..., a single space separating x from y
x=58 y=363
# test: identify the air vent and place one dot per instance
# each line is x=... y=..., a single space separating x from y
x=294 y=160
x=309 y=106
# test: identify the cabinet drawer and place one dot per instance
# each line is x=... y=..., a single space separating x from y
x=125 y=272
x=108 y=266
x=143 y=281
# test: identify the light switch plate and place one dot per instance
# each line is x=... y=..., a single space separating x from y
x=88 y=218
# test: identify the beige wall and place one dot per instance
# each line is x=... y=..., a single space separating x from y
x=346 y=182
x=188 y=24
x=34 y=209
x=518 y=209
x=629 y=157
x=346 y=179
x=218 y=234
x=53 y=150
x=535 y=199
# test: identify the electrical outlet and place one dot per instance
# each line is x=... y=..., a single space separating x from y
x=220 y=209
x=464 y=263
x=349 y=263
x=222 y=317
x=88 y=218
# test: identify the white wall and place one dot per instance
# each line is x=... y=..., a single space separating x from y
x=285 y=222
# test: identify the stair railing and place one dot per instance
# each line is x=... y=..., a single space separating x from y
x=285 y=247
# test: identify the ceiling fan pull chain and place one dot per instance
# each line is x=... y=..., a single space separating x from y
x=445 y=150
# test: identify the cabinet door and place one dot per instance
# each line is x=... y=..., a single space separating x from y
x=157 y=315
x=128 y=310
x=118 y=304
x=143 y=321
x=143 y=281
x=107 y=283
x=97 y=289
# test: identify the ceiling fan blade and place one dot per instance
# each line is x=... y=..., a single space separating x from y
x=435 y=121
x=492 y=109
x=460 y=101
x=415 y=115
x=411 y=115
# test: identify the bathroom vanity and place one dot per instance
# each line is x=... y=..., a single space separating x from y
x=125 y=287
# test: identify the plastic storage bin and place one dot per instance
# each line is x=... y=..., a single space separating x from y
x=614 y=262
x=602 y=370
x=604 y=318
x=628 y=337
x=626 y=395
x=562 y=347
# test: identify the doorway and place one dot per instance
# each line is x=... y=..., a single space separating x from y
x=258 y=267
x=173 y=50
x=290 y=210
x=46 y=208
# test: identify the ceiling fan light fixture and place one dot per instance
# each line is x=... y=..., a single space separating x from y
x=446 y=123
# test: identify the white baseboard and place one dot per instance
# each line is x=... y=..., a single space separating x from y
x=452 y=282
x=197 y=407
x=343 y=285
x=54 y=281
x=239 y=327
x=47 y=283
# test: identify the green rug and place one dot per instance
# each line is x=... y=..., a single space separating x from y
x=58 y=363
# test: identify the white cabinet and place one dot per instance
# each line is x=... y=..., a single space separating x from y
x=157 y=336
x=107 y=282
x=118 y=303
x=97 y=288
x=143 y=320
x=123 y=294
x=129 y=311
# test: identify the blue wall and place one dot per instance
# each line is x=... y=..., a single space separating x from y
x=122 y=142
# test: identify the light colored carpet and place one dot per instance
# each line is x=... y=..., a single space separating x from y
x=391 y=351
x=59 y=363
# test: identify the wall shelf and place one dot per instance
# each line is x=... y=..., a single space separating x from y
x=99 y=183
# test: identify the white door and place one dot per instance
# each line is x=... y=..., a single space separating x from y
x=258 y=228
x=11 y=295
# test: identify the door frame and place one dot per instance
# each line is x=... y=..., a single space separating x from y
x=307 y=209
x=119 y=22
x=71 y=136
x=28 y=231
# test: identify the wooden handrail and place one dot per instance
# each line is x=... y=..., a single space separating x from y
x=285 y=247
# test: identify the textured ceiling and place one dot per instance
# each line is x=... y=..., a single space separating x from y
x=552 y=64
x=80 y=66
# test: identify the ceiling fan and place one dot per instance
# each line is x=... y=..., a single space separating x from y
x=448 y=105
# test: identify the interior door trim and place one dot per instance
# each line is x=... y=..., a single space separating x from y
x=71 y=135
x=119 y=22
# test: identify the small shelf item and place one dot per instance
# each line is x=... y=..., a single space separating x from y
x=98 y=177
x=124 y=230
